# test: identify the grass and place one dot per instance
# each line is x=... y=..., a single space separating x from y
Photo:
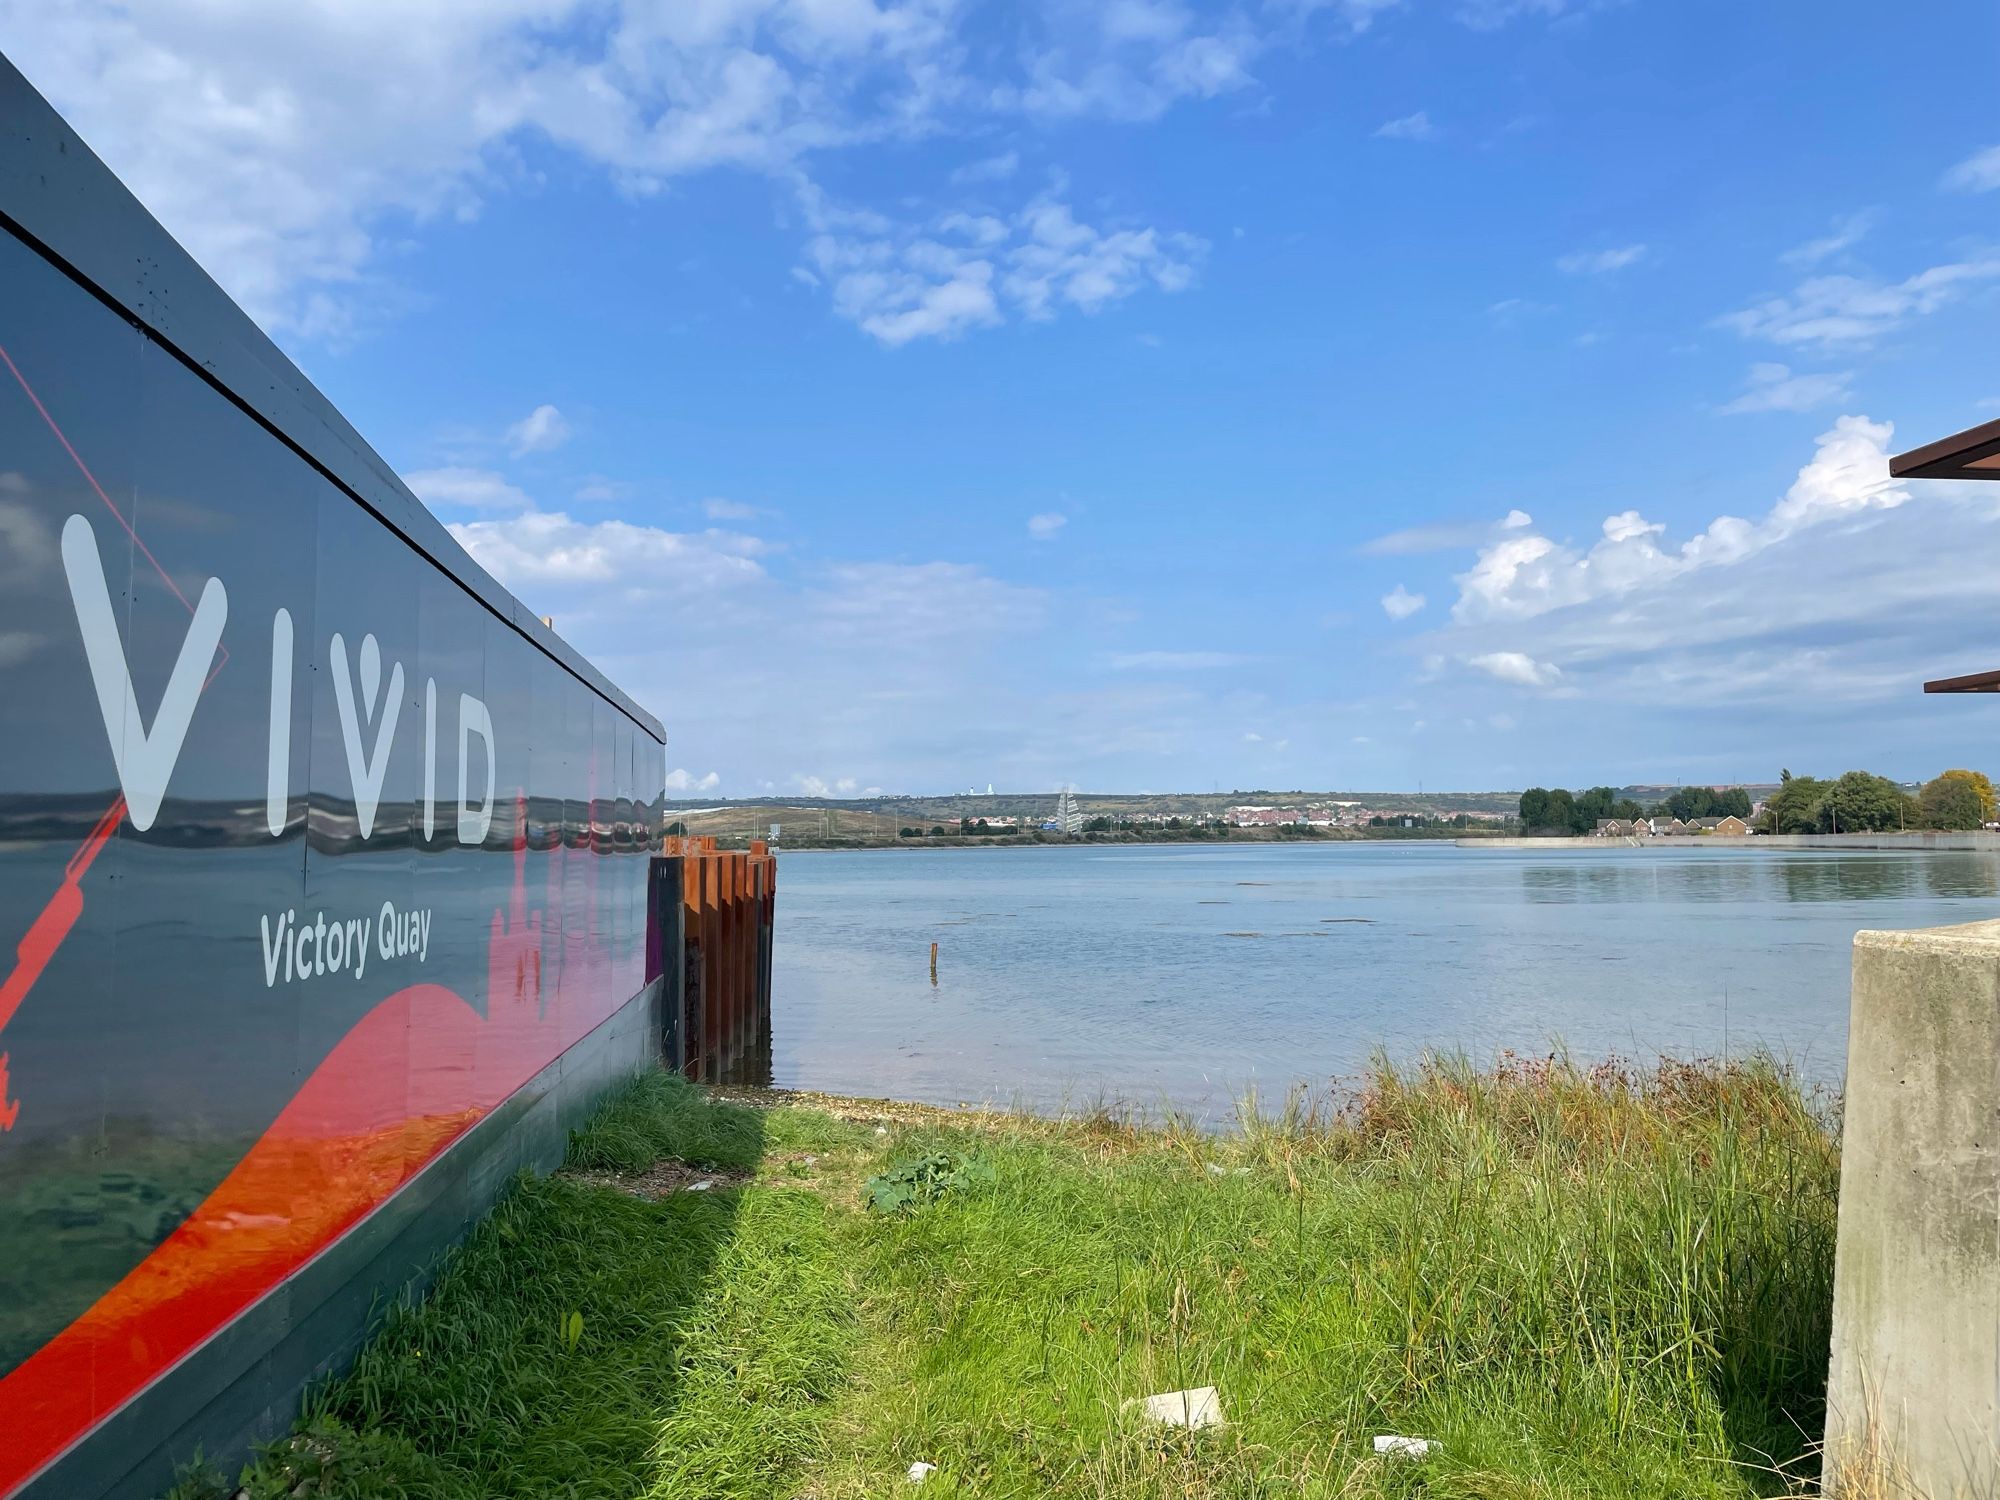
x=1582 y=1282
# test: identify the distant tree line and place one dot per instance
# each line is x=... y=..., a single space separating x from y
x=1558 y=812
x=1561 y=811
x=1856 y=802
x=1862 y=802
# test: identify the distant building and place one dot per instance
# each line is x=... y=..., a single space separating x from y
x=1731 y=827
x=1068 y=819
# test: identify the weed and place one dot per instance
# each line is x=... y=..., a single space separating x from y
x=926 y=1179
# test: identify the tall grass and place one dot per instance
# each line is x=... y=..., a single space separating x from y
x=1596 y=1280
x=1580 y=1280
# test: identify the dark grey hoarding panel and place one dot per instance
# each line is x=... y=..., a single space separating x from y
x=58 y=195
x=310 y=863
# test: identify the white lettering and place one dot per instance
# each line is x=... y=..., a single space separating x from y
x=145 y=758
x=295 y=950
x=277 y=768
x=430 y=756
x=366 y=772
x=272 y=949
x=473 y=718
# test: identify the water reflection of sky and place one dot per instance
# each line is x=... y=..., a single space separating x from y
x=1191 y=974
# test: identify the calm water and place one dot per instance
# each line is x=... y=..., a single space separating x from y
x=1189 y=974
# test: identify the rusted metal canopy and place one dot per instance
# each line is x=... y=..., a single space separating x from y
x=1971 y=454
x=1975 y=682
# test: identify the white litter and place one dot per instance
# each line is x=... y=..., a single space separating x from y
x=701 y=1187
x=920 y=1471
x=1405 y=1447
x=1200 y=1407
x=881 y=1129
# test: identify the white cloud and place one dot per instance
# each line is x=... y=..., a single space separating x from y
x=1834 y=597
x=292 y=148
x=1528 y=574
x=1511 y=312
x=988 y=169
x=1491 y=15
x=1774 y=387
x=1443 y=536
x=718 y=509
x=1044 y=527
x=1130 y=60
x=1978 y=173
x=285 y=146
x=1173 y=661
x=1844 y=235
x=538 y=549
x=820 y=786
x=963 y=271
x=542 y=430
x=1399 y=603
x=1416 y=127
x=908 y=668
x=1832 y=311
x=679 y=780
x=1517 y=668
x=456 y=487
x=1600 y=262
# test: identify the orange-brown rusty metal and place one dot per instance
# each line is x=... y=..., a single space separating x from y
x=728 y=902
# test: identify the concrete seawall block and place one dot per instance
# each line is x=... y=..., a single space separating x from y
x=1914 y=1387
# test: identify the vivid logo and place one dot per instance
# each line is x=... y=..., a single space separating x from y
x=146 y=755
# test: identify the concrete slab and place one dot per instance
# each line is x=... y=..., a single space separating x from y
x=1914 y=1388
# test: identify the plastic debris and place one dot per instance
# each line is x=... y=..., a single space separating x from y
x=1405 y=1447
x=1198 y=1408
x=701 y=1187
x=881 y=1129
x=920 y=1471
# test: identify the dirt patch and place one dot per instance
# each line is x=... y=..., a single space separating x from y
x=664 y=1179
x=842 y=1107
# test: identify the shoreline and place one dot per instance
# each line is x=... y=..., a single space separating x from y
x=1915 y=839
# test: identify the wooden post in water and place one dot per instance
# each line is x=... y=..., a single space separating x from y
x=933 y=965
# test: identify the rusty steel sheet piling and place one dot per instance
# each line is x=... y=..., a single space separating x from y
x=718 y=1010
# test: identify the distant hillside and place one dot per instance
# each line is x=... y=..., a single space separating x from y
x=879 y=819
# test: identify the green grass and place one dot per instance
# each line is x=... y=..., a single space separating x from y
x=1582 y=1283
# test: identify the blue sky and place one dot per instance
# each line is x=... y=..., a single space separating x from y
x=1145 y=396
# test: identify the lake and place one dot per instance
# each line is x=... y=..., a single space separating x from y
x=1187 y=974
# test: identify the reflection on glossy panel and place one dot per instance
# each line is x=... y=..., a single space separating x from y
x=313 y=894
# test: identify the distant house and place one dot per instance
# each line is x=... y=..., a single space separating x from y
x=1663 y=827
x=1731 y=827
x=1615 y=828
